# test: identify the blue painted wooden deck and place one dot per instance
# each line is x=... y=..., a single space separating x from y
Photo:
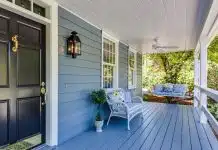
x=165 y=127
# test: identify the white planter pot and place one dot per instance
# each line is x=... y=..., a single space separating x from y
x=98 y=125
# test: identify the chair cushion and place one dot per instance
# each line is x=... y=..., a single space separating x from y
x=159 y=93
x=179 y=88
x=168 y=88
x=128 y=97
x=158 y=88
x=177 y=94
x=122 y=95
x=116 y=95
x=164 y=93
x=134 y=106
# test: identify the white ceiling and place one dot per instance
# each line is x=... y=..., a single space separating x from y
x=137 y=22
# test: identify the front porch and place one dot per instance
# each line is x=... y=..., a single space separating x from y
x=165 y=126
x=114 y=37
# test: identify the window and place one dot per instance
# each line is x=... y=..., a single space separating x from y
x=132 y=70
x=109 y=63
x=40 y=10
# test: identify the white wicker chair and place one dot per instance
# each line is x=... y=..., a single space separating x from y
x=123 y=109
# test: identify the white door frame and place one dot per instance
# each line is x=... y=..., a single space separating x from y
x=51 y=23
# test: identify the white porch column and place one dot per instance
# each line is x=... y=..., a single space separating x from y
x=203 y=77
x=196 y=76
x=52 y=77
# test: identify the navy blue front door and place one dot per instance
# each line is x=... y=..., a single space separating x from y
x=22 y=70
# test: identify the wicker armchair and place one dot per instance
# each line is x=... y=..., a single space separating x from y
x=122 y=106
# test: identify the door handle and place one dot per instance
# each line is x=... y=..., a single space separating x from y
x=43 y=93
x=43 y=90
x=43 y=103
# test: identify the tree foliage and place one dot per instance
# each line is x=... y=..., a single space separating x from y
x=212 y=78
x=152 y=73
x=213 y=64
x=174 y=68
x=213 y=50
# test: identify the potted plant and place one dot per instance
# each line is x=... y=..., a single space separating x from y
x=99 y=98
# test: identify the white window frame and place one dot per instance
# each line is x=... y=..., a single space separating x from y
x=116 y=70
x=133 y=86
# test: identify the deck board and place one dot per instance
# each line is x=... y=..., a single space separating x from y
x=164 y=127
x=202 y=135
x=212 y=139
x=168 y=138
x=158 y=141
x=186 y=140
x=158 y=130
x=130 y=141
x=195 y=141
x=141 y=139
x=177 y=136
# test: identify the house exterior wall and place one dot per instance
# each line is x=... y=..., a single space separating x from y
x=78 y=77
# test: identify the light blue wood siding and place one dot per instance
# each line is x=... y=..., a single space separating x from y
x=123 y=66
x=77 y=77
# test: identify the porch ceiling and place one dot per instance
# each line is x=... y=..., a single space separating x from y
x=138 y=22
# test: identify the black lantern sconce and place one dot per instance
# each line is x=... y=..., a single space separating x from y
x=73 y=45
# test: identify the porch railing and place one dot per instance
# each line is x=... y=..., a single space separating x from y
x=204 y=111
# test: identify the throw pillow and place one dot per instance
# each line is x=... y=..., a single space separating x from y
x=158 y=88
x=178 y=88
x=113 y=97
x=168 y=88
x=122 y=95
x=128 y=98
x=117 y=95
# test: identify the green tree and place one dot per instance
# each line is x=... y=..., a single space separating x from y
x=213 y=64
x=176 y=67
x=152 y=73
x=213 y=50
x=212 y=78
x=172 y=63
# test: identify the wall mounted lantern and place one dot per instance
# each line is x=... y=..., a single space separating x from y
x=73 y=45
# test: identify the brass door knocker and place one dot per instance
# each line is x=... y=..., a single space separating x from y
x=15 y=43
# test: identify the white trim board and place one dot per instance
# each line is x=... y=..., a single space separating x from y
x=110 y=37
x=52 y=78
x=102 y=59
x=133 y=50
